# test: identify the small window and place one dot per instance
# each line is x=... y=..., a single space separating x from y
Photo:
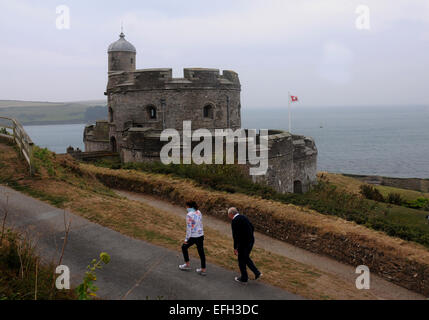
x=110 y=114
x=208 y=111
x=151 y=110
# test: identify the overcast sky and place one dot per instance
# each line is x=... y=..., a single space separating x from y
x=311 y=48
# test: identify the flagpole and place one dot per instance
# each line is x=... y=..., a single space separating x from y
x=290 y=119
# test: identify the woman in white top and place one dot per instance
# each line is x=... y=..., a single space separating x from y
x=194 y=235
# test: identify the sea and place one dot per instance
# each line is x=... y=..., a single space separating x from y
x=386 y=141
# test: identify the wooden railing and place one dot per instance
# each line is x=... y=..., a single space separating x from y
x=21 y=138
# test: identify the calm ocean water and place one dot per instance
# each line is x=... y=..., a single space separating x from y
x=388 y=141
x=57 y=137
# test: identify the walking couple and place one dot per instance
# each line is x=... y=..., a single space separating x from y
x=242 y=232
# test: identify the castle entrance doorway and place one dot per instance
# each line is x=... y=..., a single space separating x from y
x=113 y=145
x=297 y=187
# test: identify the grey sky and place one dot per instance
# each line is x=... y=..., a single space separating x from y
x=309 y=47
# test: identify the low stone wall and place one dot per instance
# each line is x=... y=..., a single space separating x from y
x=404 y=263
x=93 y=146
x=415 y=184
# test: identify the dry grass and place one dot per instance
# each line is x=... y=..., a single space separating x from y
x=88 y=198
x=178 y=190
x=348 y=184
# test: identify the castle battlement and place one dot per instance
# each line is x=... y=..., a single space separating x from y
x=162 y=78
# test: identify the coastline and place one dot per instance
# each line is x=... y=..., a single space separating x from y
x=54 y=123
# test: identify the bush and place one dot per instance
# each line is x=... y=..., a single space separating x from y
x=419 y=203
x=43 y=158
x=4 y=131
x=371 y=193
x=395 y=198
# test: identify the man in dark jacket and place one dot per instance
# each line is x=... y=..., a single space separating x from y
x=242 y=232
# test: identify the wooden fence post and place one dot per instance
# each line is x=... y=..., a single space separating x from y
x=22 y=140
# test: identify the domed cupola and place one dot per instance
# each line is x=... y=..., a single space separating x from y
x=121 y=45
x=122 y=55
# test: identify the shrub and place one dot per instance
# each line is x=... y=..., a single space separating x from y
x=371 y=193
x=419 y=203
x=44 y=159
x=395 y=198
x=87 y=289
x=4 y=131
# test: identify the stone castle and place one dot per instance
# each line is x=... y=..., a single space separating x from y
x=144 y=102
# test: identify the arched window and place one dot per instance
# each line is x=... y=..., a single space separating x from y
x=151 y=112
x=208 y=111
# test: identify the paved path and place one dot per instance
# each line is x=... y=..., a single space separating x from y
x=138 y=270
x=381 y=288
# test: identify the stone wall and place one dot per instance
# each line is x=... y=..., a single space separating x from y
x=152 y=98
x=143 y=144
x=91 y=146
x=132 y=109
x=304 y=164
x=280 y=162
x=122 y=61
x=96 y=137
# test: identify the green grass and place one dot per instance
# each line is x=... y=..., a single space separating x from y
x=408 y=195
x=44 y=196
x=19 y=269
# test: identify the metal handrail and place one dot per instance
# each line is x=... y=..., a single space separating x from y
x=22 y=140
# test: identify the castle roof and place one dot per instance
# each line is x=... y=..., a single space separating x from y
x=121 y=45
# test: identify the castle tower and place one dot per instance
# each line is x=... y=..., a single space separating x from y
x=122 y=55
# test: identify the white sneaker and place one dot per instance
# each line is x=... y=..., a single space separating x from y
x=201 y=272
x=238 y=279
x=184 y=267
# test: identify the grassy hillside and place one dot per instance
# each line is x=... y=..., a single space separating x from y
x=65 y=183
x=335 y=195
x=19 y=104
x=27 y=104
x=352 y=185
x=43 y=113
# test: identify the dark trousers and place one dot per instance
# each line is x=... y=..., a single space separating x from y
x=244 y=261
x=200 y=246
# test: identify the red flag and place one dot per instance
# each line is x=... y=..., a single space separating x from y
x=293 y=99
